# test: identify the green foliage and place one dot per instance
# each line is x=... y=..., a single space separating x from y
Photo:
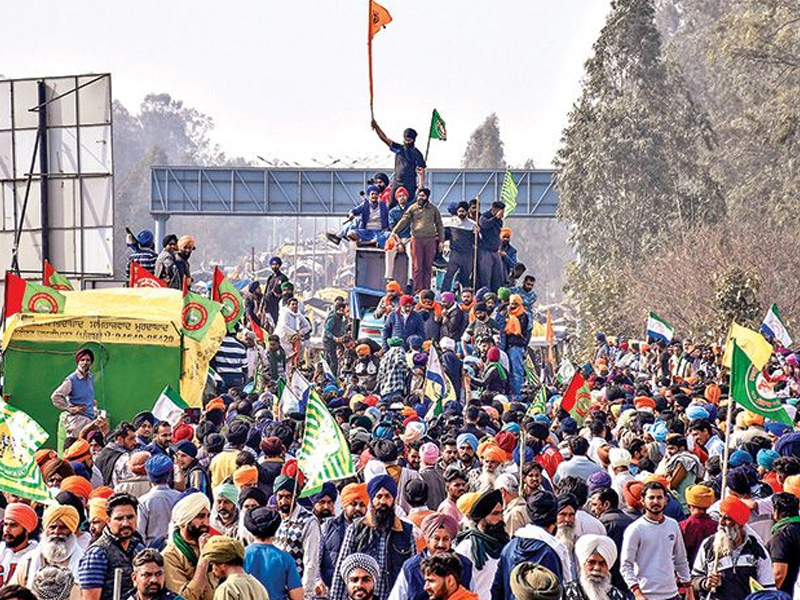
x=736 y=298
x=484 y=148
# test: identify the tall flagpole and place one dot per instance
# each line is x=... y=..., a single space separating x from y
x=428 y=147
x=475 y=253
x=369 y=56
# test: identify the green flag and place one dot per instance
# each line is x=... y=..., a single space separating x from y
x=539 y=404
x=169 y=406
x=751 y=390
x=20 y=438
x=565 y=371
x=531 y=377
x=198 y=314
x=438 y=128
x=508 y=194
x=324 y=454
x=42 y=299
x=224 y=292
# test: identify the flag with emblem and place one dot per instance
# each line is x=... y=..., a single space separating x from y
x=774 y=327
x=324 y=454
x=28 y=297
x=54 y=279
x=20 y=438
x=438 y=127
x=224 y=292
x=142 y=278
x=565 y=371
x=508 y=194
x=438 y=387
x=198 y=314
x=379 y=18
x=169 y=406
x=750 y=389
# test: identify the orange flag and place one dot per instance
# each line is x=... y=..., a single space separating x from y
x=550 y=336
x=379 y=17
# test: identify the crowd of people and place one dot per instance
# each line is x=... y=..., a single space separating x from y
x=496 y=496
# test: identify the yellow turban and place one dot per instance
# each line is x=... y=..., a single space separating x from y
x=465 y=503
x=700 y=496
x=58 y=512
x=221 y=550
x=97 y=509
x=792 y=485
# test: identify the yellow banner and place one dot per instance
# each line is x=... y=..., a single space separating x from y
x=107 y=330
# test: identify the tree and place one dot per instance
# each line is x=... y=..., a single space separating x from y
x=484 y=148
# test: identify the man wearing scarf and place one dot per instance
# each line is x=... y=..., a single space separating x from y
x=494 y=377
x=534 y=543
x=354 y=500
x=272 y=288
x=299 y=533
x=596 y=554
x=483 y=538
x=438 y=531
x=514 y=340
x=225 y=515
x=381 y=534
x=57 y=545
x=185 y=571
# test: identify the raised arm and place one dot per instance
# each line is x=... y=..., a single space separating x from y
x=383 y=137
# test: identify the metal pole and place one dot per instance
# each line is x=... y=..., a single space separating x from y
x=44 y=206
x=314 y=259
x=253 y=260
x=296 y=248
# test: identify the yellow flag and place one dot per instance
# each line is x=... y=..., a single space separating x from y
x=757 y=349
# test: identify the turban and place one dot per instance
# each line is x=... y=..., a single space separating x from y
x=400 y=190
x=53 y=583
x=695 y=411
x=144 y=417
x=228 y=491
x=752 y=419
x=286 y=285
x=792 y=485
x=237 y=433
x=644 y=402
x=429 y=453
x=736 y=509
x=253 y=493
x=384 y=450
x=408 y=132
x=531 y=581
x=466 y=501
x=414 y=432
x=503 y=293
x=507 y=481
x=357 y=560
x=566 y=499
x=328 y=490
x=381 y=482
x=221 y=550
x=406 y=300
x=245 y=475
x=538 y=430
x=77 y=485
x=493 y=355
x=416 y=492
x=600 y=480
x=632 y=493
x=372 y=188
x=485 y=504
x=84 y=352
x=284 y=483
x=495 y=453
x=23 y=515
x=619 y=457
x=467 y=438
x=394 y=286
x=363 y=350
x=765 y=458
x=102 y=492
x=712 y=393
x=68 y=515
x=262 y=522
x=569 y=426
x=182 y=432
x=436 y=521
x=395 y=342
x=188 y=507
x=586 y=545
x=186 y=241
x=739 y=458
x=56 y=466
x=513 y=428
x=215 y=404
x=276 y=260
x=158 y=466
x=354 y=491
x=700 y=496
x=44 y=455
x=78 y=451
x=187 y=447
x=97 y=509
x=506 y=441
x=136 y=462
x=504 y=231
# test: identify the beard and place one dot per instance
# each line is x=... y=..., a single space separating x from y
x=193 y=532
x=486 y=479
x=384 y=518
x=596 y=586
x=497 y=531
x=12 y=541
x=566 y=535
x=152 y=590
x=725 y=539
x=57 y=549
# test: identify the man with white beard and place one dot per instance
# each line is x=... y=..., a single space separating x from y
x=565 y=522
x=57 y=546
x=596 y=554
x=492 y=459
x=742 y=557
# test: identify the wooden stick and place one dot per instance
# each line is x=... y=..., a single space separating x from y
x=475 y=253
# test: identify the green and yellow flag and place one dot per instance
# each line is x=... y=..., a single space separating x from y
x=20 y=438
x=750 y=389
x=224 y=292
x=508 y=194
x=438 y=127
x=539 y=404
x=54 y=279
x=198 y=314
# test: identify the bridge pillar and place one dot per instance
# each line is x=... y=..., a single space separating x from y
x=160 y=229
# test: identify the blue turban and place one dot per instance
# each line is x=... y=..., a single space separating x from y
x=372 y=188
x=328 y=490
x=381 y=482
x=569 y=426
x=695 y=411
x=529 y=455
x=467 y=438
x=739 y=458
x=765 y=458
x=415 y=342
x=542 y=419
x=158 y=466
x=276 y=259
x=512 y=428
x=599 y=480
x=452 y=208
x=789 y=444
x=145 y=238
x=383 y=432
x=776 y=428
x=187 y=447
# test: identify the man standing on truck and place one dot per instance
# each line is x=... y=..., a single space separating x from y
x=408 y=160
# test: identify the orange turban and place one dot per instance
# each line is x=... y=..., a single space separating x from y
x=363 y=350
x=245 y=475
x=23 y=515
x=632 y=492
x=78 y=451
x=393 y=286
x=699 y=495
x=659 y=478
x=97 y=509
x=792 y=485
x=78 y=485
x=713 y=393
x=505 y=231
x=352 y=492
x=736 y=509
x=68 y=515
x=495 y=453
x=43 y=455
x=644 y=402
x=215 y=403
x=103 y=491
x=752 y=419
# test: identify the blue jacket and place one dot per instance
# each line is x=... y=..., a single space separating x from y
x=519 y=550
x=510 y=259
x=364 y=210
x=490 y=232
x=413 y=573
x=395 y=327
x=332 y=536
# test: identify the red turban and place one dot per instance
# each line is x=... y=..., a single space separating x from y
x=406 y=300
x=23 y=515
x=102 y=492
x=736 y=509
x=632 y=492
x=506 y=440
x=184 y=431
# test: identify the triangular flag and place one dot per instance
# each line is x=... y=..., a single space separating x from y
x=224 y=292
x=260 y=334
x=169 y=406
x=54 y=279
x=198 y=314
x=142 y=278
x=379 y=18
x=750 y=389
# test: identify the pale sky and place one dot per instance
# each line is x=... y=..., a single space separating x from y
x=288 y=78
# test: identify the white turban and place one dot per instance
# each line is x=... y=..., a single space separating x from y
x=602 y=544
x=188 y=508
x=619 y=457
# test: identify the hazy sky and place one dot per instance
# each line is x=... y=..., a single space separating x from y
x=288 y=79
